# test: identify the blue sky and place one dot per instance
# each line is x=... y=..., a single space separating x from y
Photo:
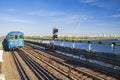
x=71 y=17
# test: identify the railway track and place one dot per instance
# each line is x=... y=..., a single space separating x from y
x=61 y=73
x=69 y=70
x=20 y=68
x=95 y=75
x=39 y=71
x=36 y=68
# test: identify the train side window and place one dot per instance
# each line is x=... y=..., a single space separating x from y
x=16 y=37
x=21 y=36
x=11 y=37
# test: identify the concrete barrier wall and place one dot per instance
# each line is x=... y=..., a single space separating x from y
x=2 y=76
x=1 y=50
x=1 y=54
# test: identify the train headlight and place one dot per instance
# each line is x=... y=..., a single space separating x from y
x=21 y=43
x=11 y=43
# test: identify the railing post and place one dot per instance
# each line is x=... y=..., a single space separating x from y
x=89 y=49
x=62 y=43
x=49 y=41
x=73 y=44
x=89 y=46
x=80 y=54
x=40 y=41
x=113 y=47
x=113 y=51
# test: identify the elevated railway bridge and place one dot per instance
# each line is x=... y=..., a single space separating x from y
x=42 y=61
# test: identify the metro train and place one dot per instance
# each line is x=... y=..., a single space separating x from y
x=14 y=40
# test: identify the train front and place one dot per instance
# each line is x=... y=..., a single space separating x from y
x=15 y=40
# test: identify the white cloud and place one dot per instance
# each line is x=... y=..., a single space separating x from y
x=11 y=10
x=46 y=13
x=71 y=19
x=100 y=4
x=14 y=19
x=97 y=3
x=88 y=1
x=61 y=17
x=119 y=9
x=116 y=15
x=108 y=4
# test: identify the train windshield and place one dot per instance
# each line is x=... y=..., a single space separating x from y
x=16 y=37
x=11 y=37
x=21 y=36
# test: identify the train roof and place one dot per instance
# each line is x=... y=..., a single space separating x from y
x=15 y=32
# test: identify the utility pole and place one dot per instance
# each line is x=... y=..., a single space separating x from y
x=55 y=31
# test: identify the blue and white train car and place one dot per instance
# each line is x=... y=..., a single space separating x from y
x=15 y=39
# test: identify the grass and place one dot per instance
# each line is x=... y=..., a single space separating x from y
x=70 y=37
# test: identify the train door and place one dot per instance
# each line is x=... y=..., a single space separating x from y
x=16 y=40
x=19 y=40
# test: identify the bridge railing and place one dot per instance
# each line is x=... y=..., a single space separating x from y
x=112 y=59
x=89 y=44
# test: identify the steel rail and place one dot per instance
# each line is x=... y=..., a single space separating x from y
x=37 y=68
x=20 y=68
x=99 y=68
x=54 y=67
x=94 y=77
x=32 y=68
